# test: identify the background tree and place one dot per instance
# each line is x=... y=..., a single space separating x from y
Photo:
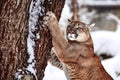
x=14 y=36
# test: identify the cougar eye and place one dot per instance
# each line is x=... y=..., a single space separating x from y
x=79 y=28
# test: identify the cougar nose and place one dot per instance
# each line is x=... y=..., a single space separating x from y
x=71 y=32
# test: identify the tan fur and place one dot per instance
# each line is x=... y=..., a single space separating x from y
x=54 y=60
x=79 y=57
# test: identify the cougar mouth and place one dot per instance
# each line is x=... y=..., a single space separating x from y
x=77 y=37
x=72 y=36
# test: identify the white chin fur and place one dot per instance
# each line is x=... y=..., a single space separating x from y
x=71 y=37
x=80 y=38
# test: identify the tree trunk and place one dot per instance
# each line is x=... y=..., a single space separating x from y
x=14 y=33
x=75 y=10
x=43 y=52
x=13 y=37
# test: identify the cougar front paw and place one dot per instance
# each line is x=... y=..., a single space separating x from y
x=50 y=17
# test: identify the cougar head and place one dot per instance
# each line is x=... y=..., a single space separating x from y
x=77 y=31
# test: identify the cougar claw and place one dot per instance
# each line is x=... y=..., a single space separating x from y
x=49 y=17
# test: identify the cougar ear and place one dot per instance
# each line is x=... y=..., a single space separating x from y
x=90 y=27
x=70 y=21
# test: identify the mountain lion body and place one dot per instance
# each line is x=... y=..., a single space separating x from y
x=76 y=51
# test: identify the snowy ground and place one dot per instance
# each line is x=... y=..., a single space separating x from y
x=53 y=73
x=112 y=66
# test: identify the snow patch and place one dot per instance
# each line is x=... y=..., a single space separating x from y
x=112 y=66
x=116 y=19
x=36 y=10
x=53 y=73
x=107 y=41
x=18 y=74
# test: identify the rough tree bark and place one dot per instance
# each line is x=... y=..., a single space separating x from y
x=42 y=53
x=14 y=15
x=13 y=37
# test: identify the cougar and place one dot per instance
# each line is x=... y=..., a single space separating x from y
x=76 y=50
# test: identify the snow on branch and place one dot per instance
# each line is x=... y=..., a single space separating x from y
x=116 y=19
x=36 y=9
x=113 y=17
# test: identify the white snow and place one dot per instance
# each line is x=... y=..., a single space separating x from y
x=53 y=73
x=31 y=68
x=18 y=76
x=107 y=41
x=30 y=45
x=116 y=19
x=35 y=11
x=112 y=66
